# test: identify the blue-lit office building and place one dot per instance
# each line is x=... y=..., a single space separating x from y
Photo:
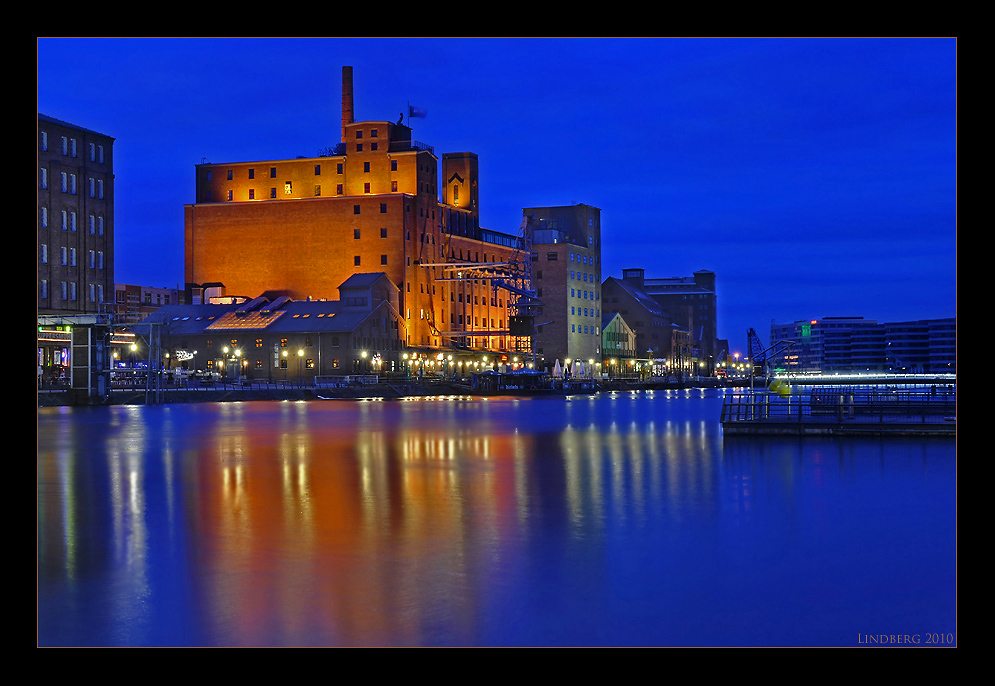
x=855 y=344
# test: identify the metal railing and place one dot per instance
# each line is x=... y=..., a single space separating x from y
x=839 y=405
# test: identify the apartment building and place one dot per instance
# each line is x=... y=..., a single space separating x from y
x=75 y=217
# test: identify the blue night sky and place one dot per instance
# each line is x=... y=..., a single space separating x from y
x=815 y=177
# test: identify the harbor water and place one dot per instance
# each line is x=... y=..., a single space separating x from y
x=623 y=519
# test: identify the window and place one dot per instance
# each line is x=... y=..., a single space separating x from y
x=317 y=170
x=355 y=234
x=252 y=194
x=356 y=260
x=383 y=259
x=338 y=168
x=44 y=140
x=366 y=188
x=317 y=190
x=272 y=192
x=383 y=208
x=288 y=187
x=43 y=251
x=44 y=178
x=272 y=172
x=355 y=209
x=366 y=167
x=230 y=174
x=383 y=233
x=393 y=165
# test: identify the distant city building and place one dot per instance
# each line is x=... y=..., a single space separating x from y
x=301 y=226
x=659 y=339
x=690 y=302
x=133 y=303
x=566 y=275
x=854 y=344
x=75 y=218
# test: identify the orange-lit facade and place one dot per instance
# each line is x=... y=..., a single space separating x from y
x=379 y=201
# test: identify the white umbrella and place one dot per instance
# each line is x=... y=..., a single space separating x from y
x=556 y=369
x=579 y=368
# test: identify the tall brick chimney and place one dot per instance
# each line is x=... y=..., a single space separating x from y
x=347 y=114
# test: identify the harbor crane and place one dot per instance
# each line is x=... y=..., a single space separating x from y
x=761 y=356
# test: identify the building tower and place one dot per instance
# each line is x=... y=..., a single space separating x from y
x=566 y=276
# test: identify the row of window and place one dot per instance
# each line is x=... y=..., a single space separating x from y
x=95 y=222
x=288 y=189
x=68 y=257
x=95 y=292
x=586 y=295
x=67 y=184
x=96 y=150
x=339 y=169
x=578 y=328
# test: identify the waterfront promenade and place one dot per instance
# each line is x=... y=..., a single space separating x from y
x=385 y=387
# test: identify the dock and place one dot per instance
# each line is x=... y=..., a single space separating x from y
x=843 y=411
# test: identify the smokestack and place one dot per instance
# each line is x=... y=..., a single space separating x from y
x=347 y=116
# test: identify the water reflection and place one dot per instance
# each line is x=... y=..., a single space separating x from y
x=602 y=520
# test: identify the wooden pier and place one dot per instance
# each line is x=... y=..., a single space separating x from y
x=843 y=411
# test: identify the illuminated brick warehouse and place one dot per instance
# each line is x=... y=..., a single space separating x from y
x=300 y=227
